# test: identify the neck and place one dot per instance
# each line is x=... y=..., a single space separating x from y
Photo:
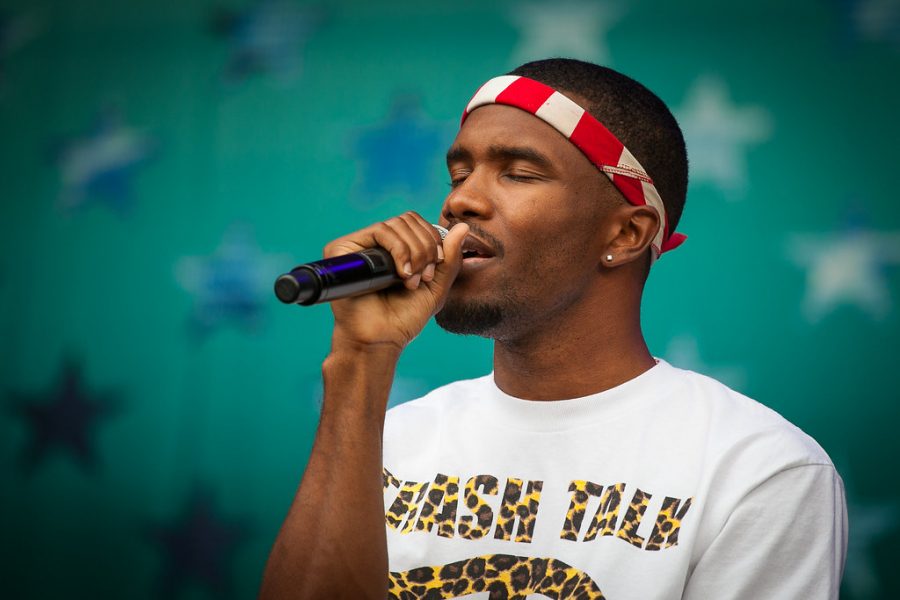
x=573 y=355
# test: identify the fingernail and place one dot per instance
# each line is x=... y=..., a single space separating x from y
x=413 y=282
x=428 y=273
x=407 y=268
x=440 y=252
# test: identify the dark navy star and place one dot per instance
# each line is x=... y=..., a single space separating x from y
x=267 y=38
x=400 y=157
x=100 y=165
x=199 y=547
x=64 y=420
x=232 y=285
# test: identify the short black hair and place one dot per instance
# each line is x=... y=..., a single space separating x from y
x=633 y=114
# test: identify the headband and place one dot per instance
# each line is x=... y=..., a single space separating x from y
x=594 y=140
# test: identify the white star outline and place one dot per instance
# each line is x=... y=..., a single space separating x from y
x=571 y=28
x=718 y=134
x=845 y=269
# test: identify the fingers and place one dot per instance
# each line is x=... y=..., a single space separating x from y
x=413 y=243
x=447 y=270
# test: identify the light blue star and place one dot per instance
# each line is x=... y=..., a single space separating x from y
x=268 y=39
x=399 y=157
x=100 y=165
x=876 y=21
x=719 y=133
x=232 y=285
x=683 y=351
x=571 y=28
x=846 y=268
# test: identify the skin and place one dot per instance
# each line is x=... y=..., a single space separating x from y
x=576 y=330
x=571 y=326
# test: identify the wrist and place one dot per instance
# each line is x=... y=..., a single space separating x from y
x=342 y=344
x=358 y=378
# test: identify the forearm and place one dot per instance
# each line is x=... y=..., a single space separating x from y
x=332 y=543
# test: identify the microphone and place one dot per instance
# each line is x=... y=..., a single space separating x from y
x=330 y=279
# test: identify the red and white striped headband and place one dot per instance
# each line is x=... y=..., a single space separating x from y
x=594 y=140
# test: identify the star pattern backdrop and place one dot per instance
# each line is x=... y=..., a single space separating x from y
x=161 y=163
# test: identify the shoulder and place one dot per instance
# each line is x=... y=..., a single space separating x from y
x=426 y=412
x=739 y=422
x=414 y=430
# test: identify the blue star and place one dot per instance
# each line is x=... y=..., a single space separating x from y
x=100 y=164
x=267 y=39
x=400 y=156
x=232 y=285
x=63 y=420
x=199 y=546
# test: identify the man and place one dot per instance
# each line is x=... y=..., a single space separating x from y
x=582 y=467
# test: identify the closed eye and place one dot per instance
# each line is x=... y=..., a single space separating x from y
x=521 y=178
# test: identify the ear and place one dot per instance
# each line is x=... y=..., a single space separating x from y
x=630 y=231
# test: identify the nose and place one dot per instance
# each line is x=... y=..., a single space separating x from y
x=467 y=201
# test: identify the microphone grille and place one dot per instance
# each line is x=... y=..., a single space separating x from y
x=441 y=230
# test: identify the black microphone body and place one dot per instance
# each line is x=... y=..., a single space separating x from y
x=339 y=277
x=343 y=276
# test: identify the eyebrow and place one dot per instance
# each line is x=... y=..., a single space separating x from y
x=503 y=153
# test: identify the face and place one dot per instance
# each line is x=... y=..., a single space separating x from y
x=533 y=203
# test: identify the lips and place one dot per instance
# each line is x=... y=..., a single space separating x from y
x=474 y=249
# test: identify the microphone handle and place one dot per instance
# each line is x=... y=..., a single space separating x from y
x=339 y=277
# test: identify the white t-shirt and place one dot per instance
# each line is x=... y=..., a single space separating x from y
x=670 y=485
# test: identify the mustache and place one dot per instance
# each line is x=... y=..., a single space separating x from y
x=495 y=244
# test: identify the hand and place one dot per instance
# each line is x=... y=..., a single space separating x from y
x=392 y=317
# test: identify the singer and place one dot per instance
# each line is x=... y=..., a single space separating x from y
x=581 y=466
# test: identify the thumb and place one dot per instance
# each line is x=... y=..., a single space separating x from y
x=447 y=270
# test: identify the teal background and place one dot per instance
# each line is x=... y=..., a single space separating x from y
x=161 y=162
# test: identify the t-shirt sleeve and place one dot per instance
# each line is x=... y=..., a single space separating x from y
x=787 y=538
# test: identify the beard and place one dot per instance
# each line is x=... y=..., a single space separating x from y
x=499 y=316
x=470 y=318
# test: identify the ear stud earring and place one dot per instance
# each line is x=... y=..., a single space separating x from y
x=609 y=258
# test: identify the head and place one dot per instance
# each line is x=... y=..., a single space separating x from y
x=546 y=216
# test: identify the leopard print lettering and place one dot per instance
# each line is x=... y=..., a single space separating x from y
x=388 y=479
x=604 y=521
x=631 y=522
x=525 y=509
x=581 y=493
x=478 y=507
x=402 y=513
x=504 y=576
x=443 y=493
x=668 y=523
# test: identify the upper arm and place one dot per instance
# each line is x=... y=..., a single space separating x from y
x=786 y=538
